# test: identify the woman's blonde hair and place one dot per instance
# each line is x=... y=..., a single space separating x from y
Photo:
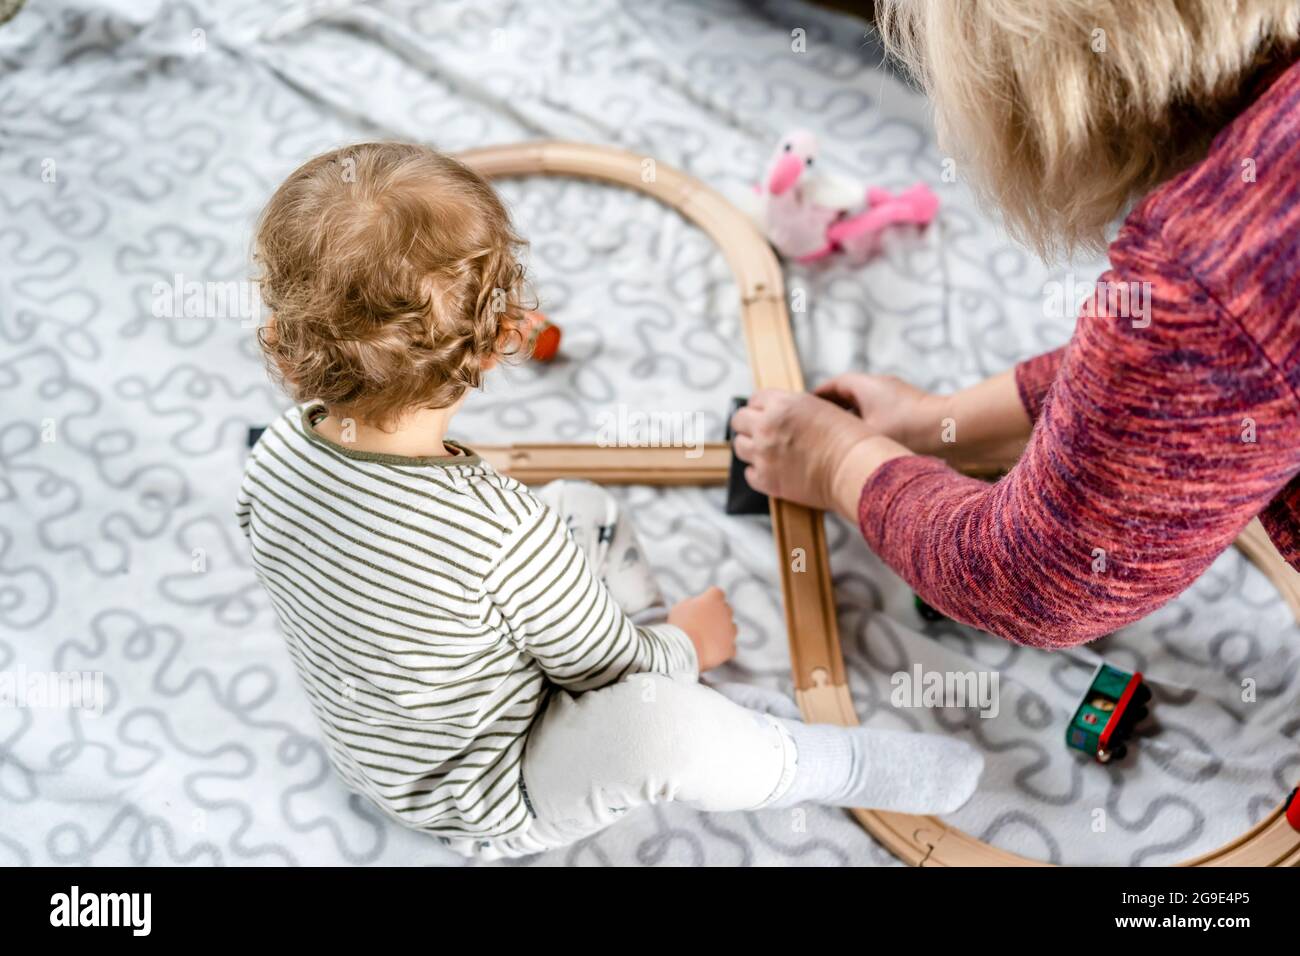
x=391 y=274
x=1066 y=110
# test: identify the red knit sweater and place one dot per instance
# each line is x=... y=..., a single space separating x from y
x=1153 y=444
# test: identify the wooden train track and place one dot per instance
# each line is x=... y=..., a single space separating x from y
x=816 y=659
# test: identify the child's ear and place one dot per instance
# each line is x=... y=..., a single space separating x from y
x=510 y=336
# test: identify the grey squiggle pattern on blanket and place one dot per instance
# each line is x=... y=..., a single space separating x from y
x=137 y=146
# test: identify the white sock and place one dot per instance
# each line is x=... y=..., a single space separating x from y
x=753 y=697
x=879 y=769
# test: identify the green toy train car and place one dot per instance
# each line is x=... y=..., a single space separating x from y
x=1112 y=706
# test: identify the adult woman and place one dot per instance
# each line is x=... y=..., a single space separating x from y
x=1158 y=432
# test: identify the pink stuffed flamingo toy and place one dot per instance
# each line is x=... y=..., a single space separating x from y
x=792 y=211
x=809 y=214
x=859 y=235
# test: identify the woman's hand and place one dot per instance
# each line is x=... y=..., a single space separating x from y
x=808 y=450
x=981 y=428
x=891 y=407
x=708 y=622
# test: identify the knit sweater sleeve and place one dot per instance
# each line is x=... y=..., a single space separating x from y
x=1034 y=378
x=1160 y=438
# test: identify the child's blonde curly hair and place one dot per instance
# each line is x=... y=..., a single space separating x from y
x=391 y=274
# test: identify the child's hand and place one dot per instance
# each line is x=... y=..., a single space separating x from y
x=706 y=619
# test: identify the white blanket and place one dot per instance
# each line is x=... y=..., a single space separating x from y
x=137 y=142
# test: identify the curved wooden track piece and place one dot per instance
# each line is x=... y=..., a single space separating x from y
x=816 y=659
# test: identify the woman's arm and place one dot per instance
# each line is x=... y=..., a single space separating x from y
x=986 y=427
x=980 y=429
x=1034 y=378
x=1157 y=445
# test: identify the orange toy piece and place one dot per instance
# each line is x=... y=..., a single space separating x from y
x=541 y=337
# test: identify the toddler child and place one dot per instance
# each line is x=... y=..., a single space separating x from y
x=488 y=664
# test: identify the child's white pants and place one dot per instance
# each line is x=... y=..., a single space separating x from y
x=591 y=758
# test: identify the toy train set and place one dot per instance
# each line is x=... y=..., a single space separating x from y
x=1115 y=702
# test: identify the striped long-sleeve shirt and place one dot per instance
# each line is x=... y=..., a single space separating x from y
x=1167 y=423
x=429 y=604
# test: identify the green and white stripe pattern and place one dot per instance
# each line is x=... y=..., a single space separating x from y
x=428 y=604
